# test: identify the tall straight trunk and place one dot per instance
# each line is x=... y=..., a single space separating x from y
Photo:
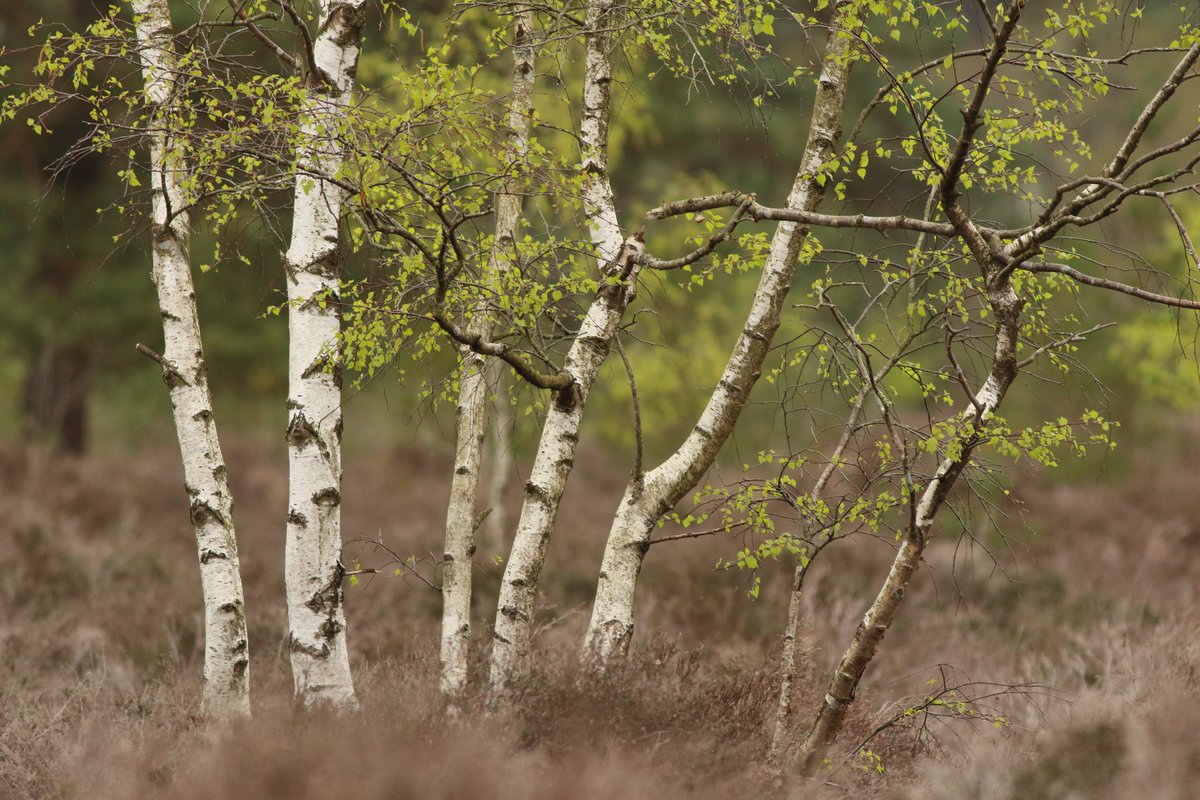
x=226 y=649
x=320 y=662
x=474 y=392
x=620 y=263
x=650 y=496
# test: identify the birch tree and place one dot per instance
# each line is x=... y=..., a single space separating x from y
x=909 y=325
x=998 y=263
x=560 y=432
x=226 y=646
x=1011 y=297
x=320 y=661
x=475 y=387
x=648 y=497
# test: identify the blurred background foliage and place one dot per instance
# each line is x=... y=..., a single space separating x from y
x=75 y=293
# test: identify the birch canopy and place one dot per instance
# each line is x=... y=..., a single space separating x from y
x=938 y=239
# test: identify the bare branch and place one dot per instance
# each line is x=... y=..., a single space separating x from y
x=1104 y=283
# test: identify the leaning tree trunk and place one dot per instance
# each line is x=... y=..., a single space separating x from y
x=474 y=387
x=560 y=433
x=648 y=497
x=996 y=266
x=226 y=654
x=879 y=617
x=314 y=572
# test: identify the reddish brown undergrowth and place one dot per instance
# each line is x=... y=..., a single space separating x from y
x=99 y=649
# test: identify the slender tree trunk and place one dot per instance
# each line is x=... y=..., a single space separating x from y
x=879 y=617
x=781 y=733
x=474 y=391
x=496 y=524
x=548 y=479
x=996 y=266
x=54 y=397
x=787 y=681
x=648 y=497
x=226 y=654
x=320 y=662
x=560 y=434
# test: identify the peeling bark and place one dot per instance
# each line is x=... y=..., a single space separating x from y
x=646 y=500
x=320 y=662
x=226 y=653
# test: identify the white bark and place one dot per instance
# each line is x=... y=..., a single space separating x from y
x=648 y=498
x=560 y=434
x=320 y=662
x=474 y=389
x=226 y=654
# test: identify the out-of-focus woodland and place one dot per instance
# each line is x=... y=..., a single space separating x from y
x=1047 y=649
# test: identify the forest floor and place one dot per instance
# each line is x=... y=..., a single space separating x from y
x=1091 y=614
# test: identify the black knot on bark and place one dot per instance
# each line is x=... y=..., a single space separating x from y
x=300 y=431
x=567 y=398
x=328 y=497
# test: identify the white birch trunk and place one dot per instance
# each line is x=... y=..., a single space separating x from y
x=647 y=499
x=995 y=265
x=226 y=654
x=320 y=662
x=474 y=389
x=560 y=434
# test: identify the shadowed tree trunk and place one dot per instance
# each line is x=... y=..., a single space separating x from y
x=55 y=393
x=495 y=527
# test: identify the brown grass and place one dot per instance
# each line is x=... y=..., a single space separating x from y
x=100 y=622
